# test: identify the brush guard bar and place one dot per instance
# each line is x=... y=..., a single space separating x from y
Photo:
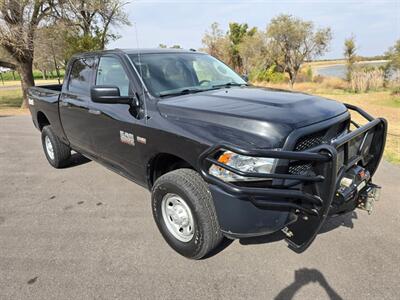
x=309 y=196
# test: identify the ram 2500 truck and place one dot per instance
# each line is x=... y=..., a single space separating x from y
x=221 y=158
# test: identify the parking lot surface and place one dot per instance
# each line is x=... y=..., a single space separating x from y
x=84 y=232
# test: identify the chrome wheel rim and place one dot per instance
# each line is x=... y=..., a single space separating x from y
x=49 y=147
x=177 y=217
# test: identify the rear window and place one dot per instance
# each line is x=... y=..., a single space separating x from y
x=80 y=76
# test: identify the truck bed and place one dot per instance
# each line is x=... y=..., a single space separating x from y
x=46 y=92
x=43 y=101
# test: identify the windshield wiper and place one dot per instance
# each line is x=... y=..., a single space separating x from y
x=228 y=84
x=181 y=92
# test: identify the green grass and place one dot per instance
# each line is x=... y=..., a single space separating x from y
x=393 y=156
x=10 y=98
x=17 y=83
x=393 y=101
x=7 y=76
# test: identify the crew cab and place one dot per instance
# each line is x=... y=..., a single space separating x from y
x=221 y=157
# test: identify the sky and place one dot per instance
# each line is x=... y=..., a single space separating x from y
x=375 y=24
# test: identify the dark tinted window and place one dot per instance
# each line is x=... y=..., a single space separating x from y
x=111 y=72
x=79 y=78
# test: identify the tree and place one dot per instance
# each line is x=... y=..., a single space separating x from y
x=237 y=32
x=216 y=43
x=18 y=23
x=393 y=55
x=254 y=52
x=92 y=20
x=50 y=49
x=293 y=41
x=77 y=43
x=88 y=24
x=6 y=60
x=350 y=53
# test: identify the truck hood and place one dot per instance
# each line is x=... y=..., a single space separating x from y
x=269 y=113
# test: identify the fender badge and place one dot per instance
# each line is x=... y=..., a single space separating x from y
x=127 y=138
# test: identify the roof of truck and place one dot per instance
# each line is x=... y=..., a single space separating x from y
x=140 y=51
x=156 y=50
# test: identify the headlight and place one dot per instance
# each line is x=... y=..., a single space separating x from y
x=243 y=163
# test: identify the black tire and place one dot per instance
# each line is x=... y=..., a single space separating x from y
x=61 y=152
x=189 y=185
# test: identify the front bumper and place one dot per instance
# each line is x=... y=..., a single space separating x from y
x=297 y=203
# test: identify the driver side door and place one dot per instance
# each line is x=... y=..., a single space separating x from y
x=112 y=124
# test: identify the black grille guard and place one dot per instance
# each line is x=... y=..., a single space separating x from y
x=308 y=195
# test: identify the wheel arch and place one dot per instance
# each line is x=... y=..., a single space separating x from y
x=42 y=120
x=163 y=163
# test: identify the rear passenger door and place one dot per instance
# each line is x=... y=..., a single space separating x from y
x=74 y=103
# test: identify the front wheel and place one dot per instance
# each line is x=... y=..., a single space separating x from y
x=185 y=214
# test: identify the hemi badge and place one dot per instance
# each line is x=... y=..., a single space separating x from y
x=141 y=140
x=31 y=101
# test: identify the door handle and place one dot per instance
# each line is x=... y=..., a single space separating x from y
x=94 y=112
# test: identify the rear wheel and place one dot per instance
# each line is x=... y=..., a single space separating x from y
x=57 y=153
x=184 y=212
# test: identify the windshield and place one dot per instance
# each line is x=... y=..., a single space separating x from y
x=168 y=74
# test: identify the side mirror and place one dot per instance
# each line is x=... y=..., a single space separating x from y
x=109 y=94
x=245 y=77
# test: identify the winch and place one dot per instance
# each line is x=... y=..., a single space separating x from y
x=355 y=190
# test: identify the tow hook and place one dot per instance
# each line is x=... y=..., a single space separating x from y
x=368 y=197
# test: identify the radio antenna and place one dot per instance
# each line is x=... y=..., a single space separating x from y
x=140 y=70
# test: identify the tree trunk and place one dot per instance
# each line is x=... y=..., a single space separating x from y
x=55 y=64
x=25 y=70
x=292 y=78
x=13 y=74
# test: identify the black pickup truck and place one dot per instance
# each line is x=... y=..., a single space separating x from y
x=221 y=158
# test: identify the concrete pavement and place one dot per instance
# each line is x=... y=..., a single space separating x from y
x=86 y=233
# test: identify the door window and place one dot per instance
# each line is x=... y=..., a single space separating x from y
x=79 y=78
x=111 y=72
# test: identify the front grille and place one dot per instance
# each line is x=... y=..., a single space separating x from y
x=298 y=168
x=309 y=141
x=304 y=143
x=313 y=140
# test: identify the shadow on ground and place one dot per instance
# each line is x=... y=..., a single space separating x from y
x=77 y=159
x=345 y=220
x=331 y=223
x=264 y=239
x=303 y=277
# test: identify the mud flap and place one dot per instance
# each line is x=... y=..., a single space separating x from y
x=303 y=232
